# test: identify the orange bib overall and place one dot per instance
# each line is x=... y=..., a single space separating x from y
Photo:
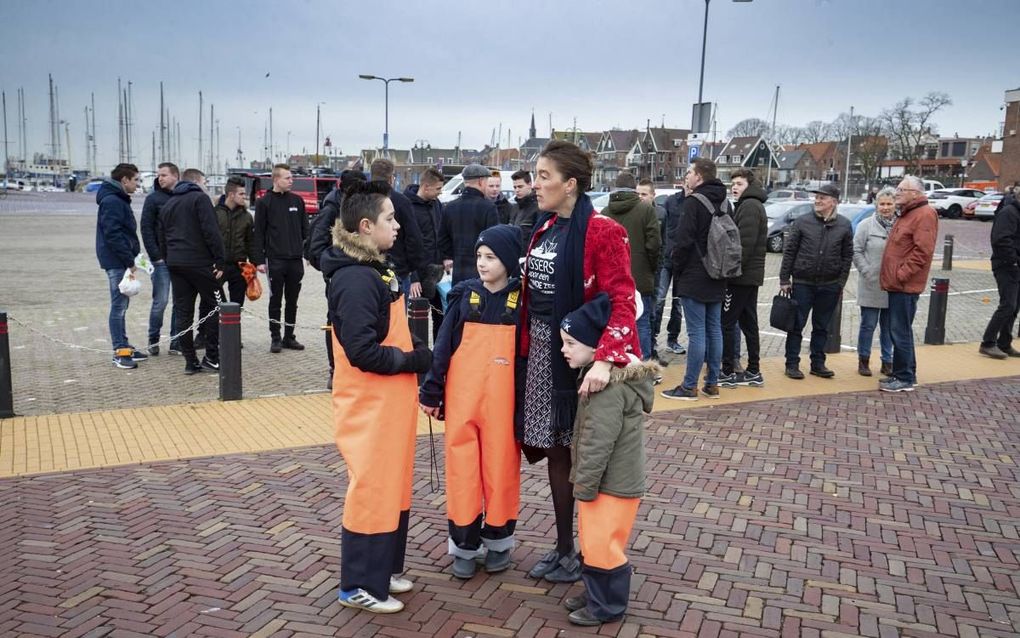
x=483 y=460
x=375 y=417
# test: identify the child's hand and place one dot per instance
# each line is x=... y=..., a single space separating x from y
x=432 y=412
x=596 y=379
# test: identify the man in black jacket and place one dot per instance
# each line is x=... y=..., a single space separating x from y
x=166 y=178
x=816 y=263
x=428 y=212
x=997 y=342
x=525 y=206
x=237 y=230
x=406 y=254
x=463 y=220
x=189 y=240
x=674 y=209
x=740 y=306
x=281 y=226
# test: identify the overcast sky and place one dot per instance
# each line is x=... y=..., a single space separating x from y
x=607 y=63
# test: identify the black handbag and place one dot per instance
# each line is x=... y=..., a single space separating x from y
x=784 y=313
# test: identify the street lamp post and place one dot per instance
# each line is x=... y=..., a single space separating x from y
x=386 y=130
x=701 y=77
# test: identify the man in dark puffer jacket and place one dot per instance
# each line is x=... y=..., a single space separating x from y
x=741 y=302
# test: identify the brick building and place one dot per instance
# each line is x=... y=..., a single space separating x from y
x=1009 y=166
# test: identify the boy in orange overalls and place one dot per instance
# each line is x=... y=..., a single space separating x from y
x=472 y=378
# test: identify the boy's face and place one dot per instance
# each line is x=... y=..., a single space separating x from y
x=576 y=353
x=490 y=268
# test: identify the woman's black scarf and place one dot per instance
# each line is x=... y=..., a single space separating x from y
x=569 y=279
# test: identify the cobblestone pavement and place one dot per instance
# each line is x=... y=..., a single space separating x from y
x=50 y=281
x=853 y=514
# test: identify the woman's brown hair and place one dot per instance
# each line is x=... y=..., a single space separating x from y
x=570 y=161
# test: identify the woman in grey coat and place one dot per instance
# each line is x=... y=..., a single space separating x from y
x=869 y=242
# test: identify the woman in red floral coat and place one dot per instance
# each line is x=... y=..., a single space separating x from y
x=574 y=254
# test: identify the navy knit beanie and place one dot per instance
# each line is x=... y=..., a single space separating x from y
x=587 y=323
x=505 y=241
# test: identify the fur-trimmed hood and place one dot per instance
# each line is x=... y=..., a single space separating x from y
x=639 y=376
x=350 y=249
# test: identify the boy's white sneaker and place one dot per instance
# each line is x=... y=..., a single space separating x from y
x=400 y=585
x=361 y=599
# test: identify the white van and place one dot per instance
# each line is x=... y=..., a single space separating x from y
x=931 y=185
x=453 y=188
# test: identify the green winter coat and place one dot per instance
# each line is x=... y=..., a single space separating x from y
x=237 y=229
x=608 y=450
x=643 y=232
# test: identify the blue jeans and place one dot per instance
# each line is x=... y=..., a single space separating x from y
x=160 y=297
x=902 y=308
x=644 y=326
x=118 y=308
x=870 y=319
x=704 y=340
x=675 y=314
x=820 y=301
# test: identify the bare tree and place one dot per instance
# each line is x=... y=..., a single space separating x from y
x=751 y=127
x=815 y=131
x=788 y=134
x=907 y=126
x=870 y=146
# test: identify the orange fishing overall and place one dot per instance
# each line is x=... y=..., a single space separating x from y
x=375 y=417
x=603 y=527
x=483 y=466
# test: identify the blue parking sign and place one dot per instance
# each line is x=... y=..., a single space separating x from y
x=693 y=151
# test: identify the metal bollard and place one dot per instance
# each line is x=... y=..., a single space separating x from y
x=418 y=320
x=230 y=352
x=935 y=332
x=6 y=387
x=832 y=346
x=947 y=253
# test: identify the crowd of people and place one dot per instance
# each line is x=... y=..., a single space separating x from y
x=546 y=343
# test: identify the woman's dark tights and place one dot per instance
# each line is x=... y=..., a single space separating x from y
x=563 y=497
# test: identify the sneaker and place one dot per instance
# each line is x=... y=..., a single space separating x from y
x=153 y=349
x=681 y=393
x=361 y=599
x=497 y=561
x=210 y=364
x=568 y=570
x=400 y=585
x=1011 y=351
x=729 y=380
x=710 y=391
x=463 y=568
x=290 y=343
x=123 y=360
x=138 y=355
x=993 y=352
x=583 y=618
x=545 y=565
x=192 y=367
x=276 y=346
x=753 y=379
x=794 y=372
x=576 y=602
x=896 y=385
x=822 y=371
x=676 y=348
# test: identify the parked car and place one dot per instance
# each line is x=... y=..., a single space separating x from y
x=856 y=213
x=931 y=186
x=985 y=209
x=13 y=184
x=93 y=185
x=949 y=202
x=601 y=200
x=780 y=215
x=311 y=190
x=790 y=195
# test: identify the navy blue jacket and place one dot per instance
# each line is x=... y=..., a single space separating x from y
x=116 y=230
x=189 y=234
x=406 y=253
x=429 y=215
x=463 y=220
x=494 y=312
x=320 y=231
x=150 y=221
x=674 y=210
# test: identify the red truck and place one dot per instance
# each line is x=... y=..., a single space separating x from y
x=312 y=190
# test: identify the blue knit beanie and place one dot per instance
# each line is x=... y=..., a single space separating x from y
x=587 y=323
x=505 y=241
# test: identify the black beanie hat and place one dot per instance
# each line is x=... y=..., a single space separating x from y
x=587 y=323
x=505 y=241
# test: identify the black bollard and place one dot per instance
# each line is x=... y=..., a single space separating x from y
x=935 y=332
x=418 y=320
x=230 y=352
x=947 y=253
x=6 y=387
x=835 y=327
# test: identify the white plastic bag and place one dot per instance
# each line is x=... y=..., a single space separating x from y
x=129 y=286
x=142 y=263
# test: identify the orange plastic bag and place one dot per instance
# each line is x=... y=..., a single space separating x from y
x=250 y=274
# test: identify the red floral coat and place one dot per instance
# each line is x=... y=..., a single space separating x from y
x=606 y=269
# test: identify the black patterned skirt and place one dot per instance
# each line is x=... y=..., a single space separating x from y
x=538 y=391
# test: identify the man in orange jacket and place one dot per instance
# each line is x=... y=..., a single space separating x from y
x=905 y=264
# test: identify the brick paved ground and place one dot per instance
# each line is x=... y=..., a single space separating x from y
x=50 y=280
x=854 y=514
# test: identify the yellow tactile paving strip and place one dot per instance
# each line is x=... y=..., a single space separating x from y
x=65 y=442
x=973 y=264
